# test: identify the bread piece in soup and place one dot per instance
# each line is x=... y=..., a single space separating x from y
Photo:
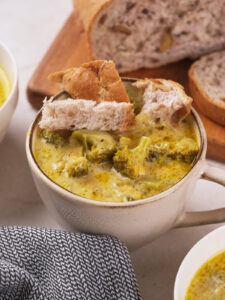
x=96 y=80
x=164 y=100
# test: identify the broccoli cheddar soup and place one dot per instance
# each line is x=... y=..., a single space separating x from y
x=142 y=162
x=209 y=281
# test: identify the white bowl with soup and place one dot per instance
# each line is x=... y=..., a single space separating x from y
x=8 y=88
x=109 y=200
x=201 y=275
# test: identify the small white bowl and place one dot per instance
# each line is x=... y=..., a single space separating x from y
x=212 y=244
x=8 y=63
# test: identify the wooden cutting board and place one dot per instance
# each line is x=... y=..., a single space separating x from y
x=69 y=49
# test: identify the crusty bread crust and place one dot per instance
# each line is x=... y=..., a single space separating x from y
x=212 y=110
x=159 y=84
x=89 y=15
x=94 y=7
x=96 y=80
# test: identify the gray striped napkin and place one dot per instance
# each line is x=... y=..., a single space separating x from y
x=37 y=263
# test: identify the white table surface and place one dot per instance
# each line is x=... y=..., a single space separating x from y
x=28 y=27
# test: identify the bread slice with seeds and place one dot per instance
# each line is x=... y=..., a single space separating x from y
x=147 y=34
x=207 y=85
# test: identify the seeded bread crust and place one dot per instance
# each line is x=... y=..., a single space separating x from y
x=211 y=107
x=89 y=15
x=164 y=99
x=148 y=34
x=96 y=80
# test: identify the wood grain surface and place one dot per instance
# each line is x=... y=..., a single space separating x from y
x=69 y=49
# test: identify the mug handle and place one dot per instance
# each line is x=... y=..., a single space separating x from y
x=196 y=218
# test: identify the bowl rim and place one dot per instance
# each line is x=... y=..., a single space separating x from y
x=75 y=197
x=15 y=71
x=206 y=237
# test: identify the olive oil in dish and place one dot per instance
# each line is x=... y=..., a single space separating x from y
x=5 y=86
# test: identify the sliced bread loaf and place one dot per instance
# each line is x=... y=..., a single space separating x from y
x=137 y=34
x=96 y=80
x=164 y=100
x=207 y=85
x=76 y=114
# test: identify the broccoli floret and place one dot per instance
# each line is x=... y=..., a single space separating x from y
x=185 y=150
x=131 y=162
x=99 y=146
x=52 y=137
x=76 y=166
x=158 y=151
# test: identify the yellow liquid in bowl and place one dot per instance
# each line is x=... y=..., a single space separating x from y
x=209 y=281
x=5 y=86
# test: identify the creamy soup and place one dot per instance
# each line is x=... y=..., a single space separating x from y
x=137 y=164
x=209 y=281
x=5 y=86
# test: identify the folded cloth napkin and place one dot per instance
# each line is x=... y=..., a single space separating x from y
x=37 y=263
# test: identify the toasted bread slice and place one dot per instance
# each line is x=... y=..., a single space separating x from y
x=164 y=100
x=96 y=80
x=207 y=85
x=73 y=114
